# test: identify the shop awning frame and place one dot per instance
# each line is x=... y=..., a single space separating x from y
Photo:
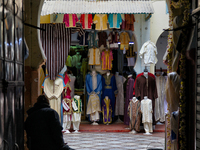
x=97 y=7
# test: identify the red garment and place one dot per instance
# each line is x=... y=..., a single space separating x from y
x=86 y=24
x=68 y=92
x=66 y=79
x=150 y=74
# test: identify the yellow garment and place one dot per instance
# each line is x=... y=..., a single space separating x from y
x=94 y=56
x=70 y=20
x=108 y=111
x=101 y=21
x=45 y=19
x=107 y=59
x=93 y=104
x=69 y=61
x=124 y=40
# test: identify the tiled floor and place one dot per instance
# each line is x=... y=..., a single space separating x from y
x=113 y=141
x=115 y=136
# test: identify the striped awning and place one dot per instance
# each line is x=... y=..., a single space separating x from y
x=95 y=7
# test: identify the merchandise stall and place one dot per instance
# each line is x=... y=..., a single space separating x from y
x=177 y=80
x=107 y=62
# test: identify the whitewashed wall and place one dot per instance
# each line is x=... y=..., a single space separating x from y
x=142 y=31
x=158 y=22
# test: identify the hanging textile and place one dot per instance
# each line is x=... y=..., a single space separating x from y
x=70 y=20
x=53 y=91
x=124 y=40
x=109 y=89
x=129 y=23
x=148 y=53
x=107 y=58
x=56 y=45
x=86 y=21
x=129 y=95
x=113 y=39
x=101 y=21
x=159 y=111
x=115 y=20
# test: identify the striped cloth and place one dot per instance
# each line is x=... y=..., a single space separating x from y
x=56 y=45
x=78 y=29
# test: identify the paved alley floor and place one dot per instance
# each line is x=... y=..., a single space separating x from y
x=113 y=141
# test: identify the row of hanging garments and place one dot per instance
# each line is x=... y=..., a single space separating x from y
x=101 y=21
x=111 y=40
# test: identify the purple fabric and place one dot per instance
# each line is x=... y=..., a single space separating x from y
x=106 y=118
x=129 y=95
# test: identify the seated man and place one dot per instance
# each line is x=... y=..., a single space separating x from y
x=43 y=128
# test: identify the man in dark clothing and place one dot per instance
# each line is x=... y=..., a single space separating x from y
x=43 y=128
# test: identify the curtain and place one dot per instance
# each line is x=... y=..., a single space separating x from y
x=56 y=45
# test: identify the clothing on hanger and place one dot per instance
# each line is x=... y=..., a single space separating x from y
x=124 y=41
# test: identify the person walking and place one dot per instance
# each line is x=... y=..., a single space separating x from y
x=43 y=128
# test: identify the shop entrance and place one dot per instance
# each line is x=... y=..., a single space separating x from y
x=86 y=43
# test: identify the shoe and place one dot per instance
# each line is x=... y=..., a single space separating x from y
x=95 y=123
x=76 y=131
x=133 y=132
x=67 y=131
x=147 y=133
x=63 y=131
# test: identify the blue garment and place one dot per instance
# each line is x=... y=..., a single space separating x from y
x=174 y=117
x=109 y=89
x=118 y=20
x=61 y=112
x=93 y=39
x=89 y=87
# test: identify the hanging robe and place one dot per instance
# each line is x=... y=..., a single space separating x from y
x=159 y=111
x=53 y=92
x=119 y=106
x=109 y=89
x=134 y=111
x=129 y=95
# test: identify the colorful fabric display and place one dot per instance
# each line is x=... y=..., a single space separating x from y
x=70 y=20
x=101 y=21
x=114 y=20
x=86 y=21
